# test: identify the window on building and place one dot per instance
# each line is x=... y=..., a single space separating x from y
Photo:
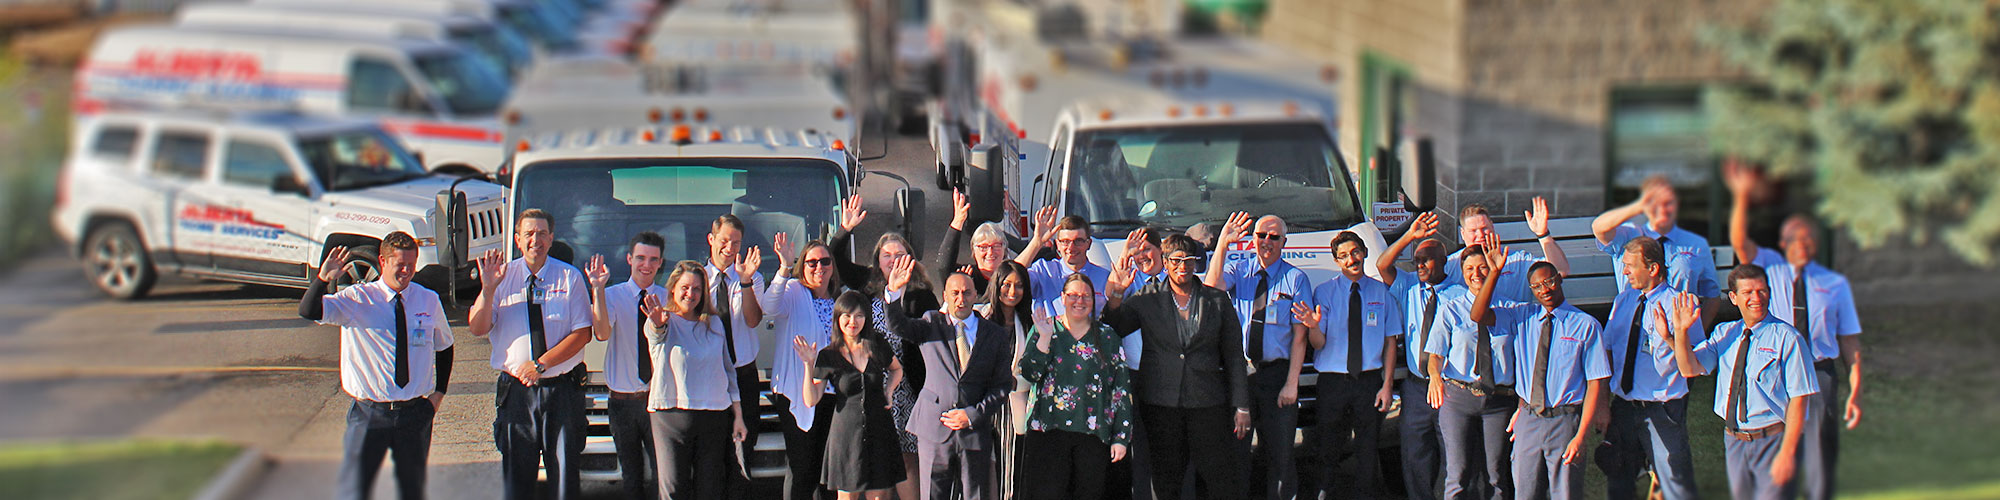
x=1663 y=131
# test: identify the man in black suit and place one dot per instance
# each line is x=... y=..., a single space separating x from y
x=969 y=375
x=1195 y=388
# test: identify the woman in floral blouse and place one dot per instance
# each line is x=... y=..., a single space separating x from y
x=1082 y=419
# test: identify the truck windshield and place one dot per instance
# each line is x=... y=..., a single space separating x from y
x=468 y=86
x=1176 y=176
x=600 y=204
x=359 y=159
x=529 y=21
x=489 y=49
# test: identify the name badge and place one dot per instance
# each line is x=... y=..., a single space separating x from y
x=1373 y=318
x=420 y=333
x=537 y=296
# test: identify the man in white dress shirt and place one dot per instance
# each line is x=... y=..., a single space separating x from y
x=628 y=362
x=538 y=312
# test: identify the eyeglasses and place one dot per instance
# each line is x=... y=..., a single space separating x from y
x=1080 y=296
x=1072 y=241
x=1185 y=261
x=819 y=262
x=1545 y=284
x=1270 y=236
x=1347 y=255
x=990 y=246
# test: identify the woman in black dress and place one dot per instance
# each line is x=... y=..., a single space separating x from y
x=863 y=451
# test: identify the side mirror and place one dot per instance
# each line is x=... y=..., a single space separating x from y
x=1418 y=167
x=289 y=184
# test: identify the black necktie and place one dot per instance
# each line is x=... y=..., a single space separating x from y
x=639 y=350
x=1632 y=346
x=1800 y=318
x=1257 y=317
x=1539 y=387
x=1482 y=363
x=402 y=345
x=1424 y=330
x=537 y=338
x=728 y=323
x=1354 y=329
x=1737 y=397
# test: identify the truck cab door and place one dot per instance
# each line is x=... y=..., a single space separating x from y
x=269 y=207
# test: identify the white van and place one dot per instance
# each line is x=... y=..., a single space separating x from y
x=437 y=98
x=534 y=20
x=495 y=44
x=258 y=197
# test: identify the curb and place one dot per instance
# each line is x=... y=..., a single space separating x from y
x=236 y=479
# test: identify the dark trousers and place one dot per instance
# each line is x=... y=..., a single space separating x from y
x=1065 y=465
x=375 y=430
x=1273 y=473
x=1749 y=468
x=1539 y=444
x=1131 y=478
x=1349 y=426
x=805 y=451
x=632 y=434
x=1204 y=436
x=1421 y=466
x=747 y=387
x=1819 y=442
x=694 y=452
x=537 y=426
x=1474 y=432
x=1643 y=432
x=947 y=469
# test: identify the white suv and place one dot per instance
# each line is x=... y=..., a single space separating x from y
x=258 y=198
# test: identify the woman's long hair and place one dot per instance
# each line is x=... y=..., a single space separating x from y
x=799 y=271
x=853 y=302
x=878 y=279
x=1023 y=313
x=689 y=268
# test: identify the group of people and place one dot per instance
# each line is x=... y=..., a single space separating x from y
x=1030 y=377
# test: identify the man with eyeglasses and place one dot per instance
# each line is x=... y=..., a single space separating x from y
x=1419 y=293
x=1475 y=227
x=1263 y=287
x=1072 y=240
x=538 y=311
x=1194 y=380
x=1349 y=322
x=1560 y=372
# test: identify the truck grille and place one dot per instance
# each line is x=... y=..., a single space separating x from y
x=487 y=223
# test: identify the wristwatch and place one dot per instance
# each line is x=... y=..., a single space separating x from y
x=538 y=366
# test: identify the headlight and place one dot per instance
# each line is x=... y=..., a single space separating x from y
x=426 y=242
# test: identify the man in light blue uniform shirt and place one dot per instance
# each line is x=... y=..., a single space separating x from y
x=1472 y=382
x=1560 y=373
x=628 y=360
x=1649 y=412
x=1351 y=323
x=1419 y=294
x=1264 y=287
x=1475 y=227
x=1690 y=261
x=1045 y=276
x=1764 y=375
x=1825 y=317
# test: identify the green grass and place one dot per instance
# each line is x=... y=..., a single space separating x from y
x=136 y=469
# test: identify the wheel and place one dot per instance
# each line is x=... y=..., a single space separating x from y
x=361 y=267
x=116 y=261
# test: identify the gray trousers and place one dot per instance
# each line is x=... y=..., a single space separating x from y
x=1643 y=432
x=1474 y=432
x=1539 y=471
x=1750 y=468
x=1819 y=442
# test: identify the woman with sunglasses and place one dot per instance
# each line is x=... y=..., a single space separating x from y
x=1082 y=420
x=800 y=304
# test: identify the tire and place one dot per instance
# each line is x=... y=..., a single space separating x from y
x=361 y=267
x=115 y=260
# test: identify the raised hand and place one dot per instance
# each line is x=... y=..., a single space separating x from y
x=1045 y=221
x=961 y=209
x=655 y=311
x=1687 y=310
x=1235 y=229
x=1424 y=226
x=806 y=350
x=1045 y=328
x=1739 y=176
x=899 y=271
x=747 y=264
x=968 y=270
x=782 y=244
x=1308 y=314
x=851 y=213
x=599 y=275
x=336 y=264
x=1538 y=218
x=1122 y=273
x=492 y=268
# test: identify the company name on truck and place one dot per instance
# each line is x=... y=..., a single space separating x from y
x=205 y=64
x=1243 y=250
x=227 y=221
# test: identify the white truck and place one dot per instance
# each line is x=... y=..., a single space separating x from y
x=259 y=198
x=435 y=97
x=496 y=45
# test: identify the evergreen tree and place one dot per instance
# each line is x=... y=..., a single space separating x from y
x=1890 y=107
